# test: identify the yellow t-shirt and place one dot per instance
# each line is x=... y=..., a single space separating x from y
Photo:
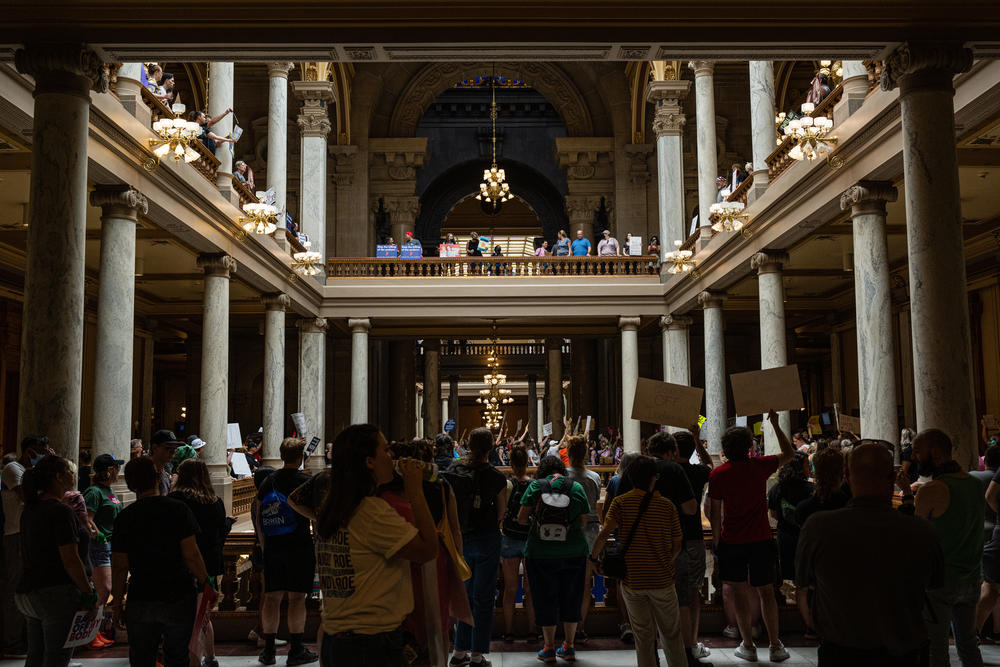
x=366 y=586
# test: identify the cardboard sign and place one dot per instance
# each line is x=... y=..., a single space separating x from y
x=635 y=246
x=241 y=468
x=83 y=628
x=234 y=440
x=547 y=429
x=411 y=251
x=849 y=423
x=757 y=392
x=299 y=421
x=386 y=250
x=449 y=426
x=665 y=403
x=520 y=423
x=586 y=429
x=814 y=426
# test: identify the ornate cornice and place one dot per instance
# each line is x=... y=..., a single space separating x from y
x=916 y=65
x=313 y=120
x=120 y=201
x=279 y=70
x=667 y=95
x=359 y=325
x=702 y=67
x=313 y=325
x=275 y=301
x=769 y=261
x=675 y=322
x=868 y=197
x=629 y=323
x=217 y=264
x=711 y=298
x=63 y=68
x=584 y=206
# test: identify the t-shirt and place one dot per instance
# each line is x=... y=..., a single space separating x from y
x=561 y=248
x=608 y=247
x=105 y=506
x=672 y=484
x=286 y=480
x=150 y=532
x=12 y=505
x=580 y=247
x=649 y=560
x=213 y=529
x=366 y=585
x=742 y=488
x=576 y=542
x=813 y=504
x=697 y=474
x=591 y=483
x=45 y=526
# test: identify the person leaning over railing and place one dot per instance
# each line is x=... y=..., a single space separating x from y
x=208 y=138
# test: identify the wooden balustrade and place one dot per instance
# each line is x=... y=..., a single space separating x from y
x=246 y=194
x=244 y=493
x=780 y=160
x=478 y=267
x=207 y=163
x=156 y=105
x=741 y=191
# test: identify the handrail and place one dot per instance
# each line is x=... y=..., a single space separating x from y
x=155 y=104
x=244 y=493
x=779 y=160
x=478 y=267
x=741 y=191
x=207 y=163
x=246 y=195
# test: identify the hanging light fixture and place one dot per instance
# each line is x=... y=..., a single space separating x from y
x=174 y=137
x=307 y=263
x=680 y=260
x=728 y=216
x=494 y=397
x=260 y=218
x=810 y=135
x=494 y=191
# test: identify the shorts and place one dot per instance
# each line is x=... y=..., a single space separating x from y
x=590 y=532
x=689 y=571
x=511 y=547
x=100 y=554
x=556 y=588
x=753 y=561
x=291 y=569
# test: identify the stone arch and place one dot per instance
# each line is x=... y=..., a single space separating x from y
x=433 y=79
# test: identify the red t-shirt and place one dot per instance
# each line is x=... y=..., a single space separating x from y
x=742 y=488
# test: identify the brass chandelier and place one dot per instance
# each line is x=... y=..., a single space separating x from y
x=259 y=219
x=308 y=263
x=174 y=137
x=494 y=189
x=495 y=396
x=680 y=260
x=728 y=216
x=810 y=135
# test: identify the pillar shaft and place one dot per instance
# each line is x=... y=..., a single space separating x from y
x=553 y=349
x=668 y=125
x=708 y=162
x=855 y=86
x=715 y=371
x=676 y=349
x=220 y=98
x=532 y=402
x=773 y=346
x=277 y=131
x=113 y=368
x=274 y=377
x=128 y=87
x=312 y=383
x=453 y=401
x=432 y=387
x=942 y=352
x=763 y=137
x=359 y=369
x=630 y=376
x=314 y=126
x=52 y=344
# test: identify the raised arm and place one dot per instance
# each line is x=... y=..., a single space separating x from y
x=787 y=451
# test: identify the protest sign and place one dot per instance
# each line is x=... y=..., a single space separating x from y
x=241 y=467
x=586 y=429
x=387 y=250
x=814 y=425
x=635 y=246
x=234 y=440
x=547 y=429
x=449 y=250
x=208 y=598
x=758 y=428
x=666 y=403
x=84 y=626
x=449 y=426
x=757 y=392
x=849 y=423
x=411 y=251
x=299 y=421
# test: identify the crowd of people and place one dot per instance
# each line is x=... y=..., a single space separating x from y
x=406 y=540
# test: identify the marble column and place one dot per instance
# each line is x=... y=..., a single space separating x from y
x=630 y=376
x=220 y=98
x=129 y=90
x=676 y=348
x=120 y=208
x=52 y=322
x=432 y=387
x=708 y=161
x=763 y=136
x=314 y=126
x=942 y=352
x=668 y=126
x=553 y=351
x=274 y=376
x=277 y=131
x=444 y=412
x=532 y=402
x=837 y=370
x=773 y=346
x=855 y=87
x=873 y=308
x=359 y=369
x=312 y=382
x=454 y=402
x=715 y=370
x=540 y=419
x=214 y=403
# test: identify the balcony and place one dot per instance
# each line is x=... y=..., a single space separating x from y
x=491 y=267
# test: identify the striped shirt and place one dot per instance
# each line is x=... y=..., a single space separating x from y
x=649 y=560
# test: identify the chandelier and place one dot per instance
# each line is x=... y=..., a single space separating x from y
x=810 y=135
x=307 y=263
x=495 y=396
x=494 y=189
x=174 y=137
x=680 y=260
x=728 y=216
x=259 y=219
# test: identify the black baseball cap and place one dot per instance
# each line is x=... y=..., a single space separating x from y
x=166 y=438
x=105 y=462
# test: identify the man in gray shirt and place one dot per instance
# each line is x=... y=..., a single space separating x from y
x=868 y=567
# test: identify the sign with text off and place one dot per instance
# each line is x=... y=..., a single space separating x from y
x=665 y=403
x=757 y=392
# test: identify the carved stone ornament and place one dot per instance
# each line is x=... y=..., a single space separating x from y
x=403 y=209
x=313 y=325
x=638 y=163
x=275 y=301
x=63 y=68
x=629 y=323
x=217 y=264
x=868 y=197
x=669 y=118
x=360 y=52
x=633 y=53
x=279 y=69
x=313 y=119
x=359 y=325
x=711 y=298
x=675 y=322
x=931 y=64
x=582 y=207
x=702 y=67
x=768 y=261
x=122 y=201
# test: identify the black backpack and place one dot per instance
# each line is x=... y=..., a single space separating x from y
x=552 y=519
x=477 y=511
x=511 y=528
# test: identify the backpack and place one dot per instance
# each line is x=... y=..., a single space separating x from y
x=552 y=518
x=511 y=528
x=476 y=511
x=276 y=516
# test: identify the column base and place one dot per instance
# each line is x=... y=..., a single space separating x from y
x=222 y=484
x=125 y=496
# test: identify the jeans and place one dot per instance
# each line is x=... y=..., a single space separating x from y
x=953 y=606
x=149 y=621
x=649 y=611
x=834 y=655
x=482 y=553
x=13 y=622
x=350 y=650
x=48 y=614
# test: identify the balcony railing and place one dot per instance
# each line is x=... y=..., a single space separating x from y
x=156 y=105
x=740 y=193
x=498 y=267
x=780 y=160
x=207 y=164
x=246 y=195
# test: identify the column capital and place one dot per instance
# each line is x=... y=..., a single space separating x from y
x=668 y=119
x=63 y=68
x=359 y=325
x=925 y=65
x=313 y=325
x=769 y=261
x=313 y=120
x=217 y=264
x=702 y=67
x=120 y=201
x=675 y=322
x=275 y=301
x=279 y=69
x=629 y=323
x=868 y=197
x=711 y=298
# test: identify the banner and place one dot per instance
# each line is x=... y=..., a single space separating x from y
x=449 y=250
x=411 y=251
x=665 y=403
x=387 y=251
x=757 y=392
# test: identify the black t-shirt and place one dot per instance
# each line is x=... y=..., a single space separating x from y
x=913 y=470
x=45 y=526
x=813 y=504
x=784 y=497
x=286 y=480
x=214 y=528
x=697 y=474
x=672 y=483
x=150 y=532
x=482 y=520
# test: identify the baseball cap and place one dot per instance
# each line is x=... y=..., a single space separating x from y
x=165 y=437
x=195 y=442
x=606 y=232
x=106 y=461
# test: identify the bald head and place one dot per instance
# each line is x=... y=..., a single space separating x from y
x=869 y=471
x=932 y=445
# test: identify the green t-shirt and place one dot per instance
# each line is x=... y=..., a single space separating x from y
x=105 y=506
x=576 y=542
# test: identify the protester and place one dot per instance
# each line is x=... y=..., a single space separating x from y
x=103 y=507
x=444 y=451
x=591 y=483
x=654 y=246
x=792 y=488
x=741 y=534
x=167 y=83
x=581 y=246
x=208 y=138
x=289 y=558
x=135 y=449
x=989 y=597
x=161 y=451
x=513 y=541
x=648 y=523
x=154 y=548
x=244 y=174
x=257 y=555
x=608 y=246
x=610 y=493
x=869 y=614
x=409 y=239
x=561 y=248
x=542 y=250
x=555 y=553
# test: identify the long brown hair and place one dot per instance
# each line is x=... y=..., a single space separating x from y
x=828 y=468
x=194 y=481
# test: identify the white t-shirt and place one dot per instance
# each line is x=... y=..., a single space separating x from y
x=591 y=483
x=366 y=586
x=12 y=505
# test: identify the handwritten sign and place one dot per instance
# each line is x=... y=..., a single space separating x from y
x=666 y=403
x=635 y=246
x=547 y=429
x=84 y=627
x=849 y=423
x=234 y=439
x=299 y=421
x=757 y=392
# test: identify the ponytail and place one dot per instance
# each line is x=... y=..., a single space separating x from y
x=42 y=476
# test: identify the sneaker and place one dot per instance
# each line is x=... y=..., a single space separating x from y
x=547 y=655
x=97 y=642
x=459 y=662
x=701 y=651
x=626 y=633
x=746 y=653
x=104 y=638
x=214 y=662
x=482 y=662
x=567 y=653
x=778 y=653
x=581 y=637
x=731 y=632
x=266 y=658
x=303 y=657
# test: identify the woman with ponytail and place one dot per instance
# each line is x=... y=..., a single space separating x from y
x=54 y=584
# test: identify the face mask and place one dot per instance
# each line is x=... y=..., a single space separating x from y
x=36 y=459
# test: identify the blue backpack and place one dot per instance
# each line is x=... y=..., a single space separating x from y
x=276 y=516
